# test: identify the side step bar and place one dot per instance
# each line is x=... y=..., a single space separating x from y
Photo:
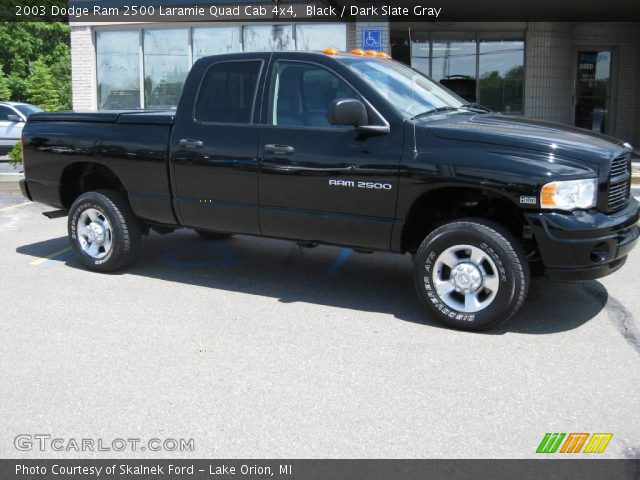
x=56 y=214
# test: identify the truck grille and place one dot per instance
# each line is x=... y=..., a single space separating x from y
x=619 y=183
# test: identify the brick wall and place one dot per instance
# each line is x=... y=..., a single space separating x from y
x=83 y=69
x=548 y=72
x=354 y=34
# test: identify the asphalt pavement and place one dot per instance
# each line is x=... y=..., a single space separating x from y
x=255 y=348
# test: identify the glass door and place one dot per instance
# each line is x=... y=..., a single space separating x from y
x=593 y=90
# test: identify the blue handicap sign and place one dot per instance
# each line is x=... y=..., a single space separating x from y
x=372 y=39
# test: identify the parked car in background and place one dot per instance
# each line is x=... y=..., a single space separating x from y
x=12 y=118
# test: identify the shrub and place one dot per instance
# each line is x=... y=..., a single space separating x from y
x=15 y=154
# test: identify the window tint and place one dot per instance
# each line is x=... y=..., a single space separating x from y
x=227 y=92
x=4 y=112
x=301 y=94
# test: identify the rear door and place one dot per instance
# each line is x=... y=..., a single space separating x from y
x=214 y=145
x=320 y=182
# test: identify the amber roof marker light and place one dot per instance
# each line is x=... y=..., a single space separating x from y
x=330 y=51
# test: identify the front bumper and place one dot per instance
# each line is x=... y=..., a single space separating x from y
x=579 y=246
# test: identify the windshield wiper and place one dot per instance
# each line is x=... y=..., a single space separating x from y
x=476 y=107
x=433 y=110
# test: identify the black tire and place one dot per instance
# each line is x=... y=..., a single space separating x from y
x=501 y=251
x=207 y=235
x=125 y=230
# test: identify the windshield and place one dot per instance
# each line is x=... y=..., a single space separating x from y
x=408 y=91
x=27 y=110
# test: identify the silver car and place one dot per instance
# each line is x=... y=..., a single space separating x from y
x=12 y=118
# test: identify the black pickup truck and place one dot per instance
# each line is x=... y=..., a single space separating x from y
x=344 y=149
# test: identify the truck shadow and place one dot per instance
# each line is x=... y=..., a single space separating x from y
x=331 y=276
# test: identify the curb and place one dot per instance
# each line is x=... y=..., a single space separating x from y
x=9 y=182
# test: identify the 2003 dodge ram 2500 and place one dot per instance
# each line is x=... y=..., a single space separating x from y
x=350 y=150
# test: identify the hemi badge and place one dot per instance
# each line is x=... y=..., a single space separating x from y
x=528 y=200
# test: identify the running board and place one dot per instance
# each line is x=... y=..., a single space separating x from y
x=56 y=214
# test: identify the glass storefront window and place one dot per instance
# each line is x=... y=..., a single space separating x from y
x=167 y=52
x=453 y=62
x=420 y=52
x=263 y=38
x=215 y=41
x=481 y=67
x=118 y=69
x=166 y=64
x=501 y=71
x=319 y=37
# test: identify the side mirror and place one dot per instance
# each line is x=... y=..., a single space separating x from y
x=347 y=111
x=12 y=117
x=352 y=112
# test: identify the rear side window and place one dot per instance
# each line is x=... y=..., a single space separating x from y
x=228 y=92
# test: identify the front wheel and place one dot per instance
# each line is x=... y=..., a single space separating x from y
x=471 y=274
x=103 y=230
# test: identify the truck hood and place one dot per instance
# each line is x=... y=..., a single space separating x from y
x=525 y=133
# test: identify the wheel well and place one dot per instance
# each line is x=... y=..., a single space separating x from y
x=442 y=205
x=82 y=177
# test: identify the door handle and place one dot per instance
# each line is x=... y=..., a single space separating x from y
x=279 y=149
x=189 y=143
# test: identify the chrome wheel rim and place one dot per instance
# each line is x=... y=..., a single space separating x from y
x=94 y=233
x=466 y=278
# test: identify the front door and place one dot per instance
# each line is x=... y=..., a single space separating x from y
x=321 y=182
x=593 y=90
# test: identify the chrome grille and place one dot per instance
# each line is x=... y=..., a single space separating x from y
x=619 y=182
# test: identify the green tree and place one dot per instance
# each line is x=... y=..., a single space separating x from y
x=41 y=87
x=5 y=92
x=24 y=45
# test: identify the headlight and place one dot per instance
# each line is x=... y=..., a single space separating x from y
x=569 y=194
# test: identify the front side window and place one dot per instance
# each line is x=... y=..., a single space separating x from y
x=302 y=93
x=227 y=94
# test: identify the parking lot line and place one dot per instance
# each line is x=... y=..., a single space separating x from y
x=14 y=206
x=40 y=261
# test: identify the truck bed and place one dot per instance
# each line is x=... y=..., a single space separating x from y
x=128 y=145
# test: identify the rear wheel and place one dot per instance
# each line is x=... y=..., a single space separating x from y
x=207 y=235
x=103 y=230
x=471 y=274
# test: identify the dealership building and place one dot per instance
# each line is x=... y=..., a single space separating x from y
x=585 y=74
